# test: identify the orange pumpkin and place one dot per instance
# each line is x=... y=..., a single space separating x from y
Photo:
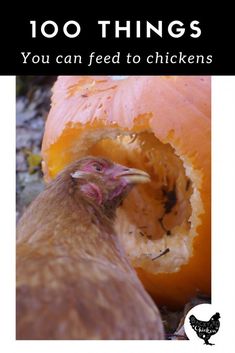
x=161 y=125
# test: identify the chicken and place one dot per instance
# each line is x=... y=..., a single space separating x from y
x=74 y=280
x=205 y=329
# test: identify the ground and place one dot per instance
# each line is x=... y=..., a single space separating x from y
x=32 y=106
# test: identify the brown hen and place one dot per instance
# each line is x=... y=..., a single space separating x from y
x=73 y=278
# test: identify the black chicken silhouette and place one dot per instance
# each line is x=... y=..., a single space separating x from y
x=205 y=329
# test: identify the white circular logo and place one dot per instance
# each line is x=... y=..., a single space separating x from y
x=202 y=324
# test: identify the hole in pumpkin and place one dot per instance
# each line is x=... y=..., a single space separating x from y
x=158 y=215
x=167 y=200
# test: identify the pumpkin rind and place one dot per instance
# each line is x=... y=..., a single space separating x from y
x=177 y=111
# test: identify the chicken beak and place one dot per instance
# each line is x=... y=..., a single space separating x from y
x=134 y=176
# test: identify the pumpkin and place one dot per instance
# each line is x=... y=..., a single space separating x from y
x=161 y=125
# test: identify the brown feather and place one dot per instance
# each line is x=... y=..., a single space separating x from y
x=73 y=278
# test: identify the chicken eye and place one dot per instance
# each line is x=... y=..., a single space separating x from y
x=98 y=167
